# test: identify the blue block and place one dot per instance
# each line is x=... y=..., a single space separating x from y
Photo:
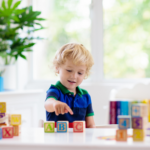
x=0 y=133
x=136 y=111
x=124 y=122
x=62 y=126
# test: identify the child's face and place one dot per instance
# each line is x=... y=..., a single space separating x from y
x=71 y=75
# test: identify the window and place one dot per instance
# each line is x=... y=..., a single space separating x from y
x=67 y=21
x=126 y=39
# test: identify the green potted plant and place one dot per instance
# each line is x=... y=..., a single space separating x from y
x=16 y=31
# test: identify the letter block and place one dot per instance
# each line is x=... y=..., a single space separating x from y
x=3 y=124
x=121 y=135
x=1 y=116
x=137 y=123
x=78 y=126
x=7 y=132
x=15 y=119
x=138 y=135
x=0 y=133
x=124 y=122
x=62 y=126
x=16 y=130
x=49 y=127
x=2 y=107
x=139 y=110
x=148 y=132
x=136 y=110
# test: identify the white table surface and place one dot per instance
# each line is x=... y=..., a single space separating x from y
x=36 y=139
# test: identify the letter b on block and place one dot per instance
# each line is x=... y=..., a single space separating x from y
x=62 y=126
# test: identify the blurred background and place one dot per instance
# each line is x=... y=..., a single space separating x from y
x=116 y=32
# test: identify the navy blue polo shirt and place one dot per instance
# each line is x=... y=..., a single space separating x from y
x=80 y=104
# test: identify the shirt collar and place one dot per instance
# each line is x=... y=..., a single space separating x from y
x=66 y=91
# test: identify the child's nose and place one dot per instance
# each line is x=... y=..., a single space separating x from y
x=74 y=75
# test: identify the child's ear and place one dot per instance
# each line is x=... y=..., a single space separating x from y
x=57 y=70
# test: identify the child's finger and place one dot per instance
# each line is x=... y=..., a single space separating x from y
x=62 y=111
x=69 y=109
x=56 y=111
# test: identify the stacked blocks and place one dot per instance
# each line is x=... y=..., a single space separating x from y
x=123 y=124
x=11 y=128
x=62 y=126
x=139 y=114
x=139 y=121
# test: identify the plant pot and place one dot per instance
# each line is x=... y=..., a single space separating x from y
x=1 y=84
x=10 y=77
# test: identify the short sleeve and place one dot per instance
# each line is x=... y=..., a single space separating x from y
x=89 y=111
x=52 y=92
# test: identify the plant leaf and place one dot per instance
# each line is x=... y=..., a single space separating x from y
x=3 y=5
x=23 y=56
x=16 y=5
x=9 y=3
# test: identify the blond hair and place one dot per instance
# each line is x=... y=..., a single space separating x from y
x=77 y=53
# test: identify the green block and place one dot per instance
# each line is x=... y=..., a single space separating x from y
x=49 y=127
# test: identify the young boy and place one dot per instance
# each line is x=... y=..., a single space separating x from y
x=66 y=100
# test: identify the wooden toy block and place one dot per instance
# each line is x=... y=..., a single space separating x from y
x=124 y=122
x=148 y=132
x=3 y=124
x=137 y=123
x=78 y=126
x=144 y=110
x=135 y=110
x=16 y=130
x=15 y=119
x=121 y=135
x=7 y=132
x=62 y=126
x=1 y=116
x=148 y=110
x=0 y=133
x=138 y=135
x=49 y=127
x=2 y=107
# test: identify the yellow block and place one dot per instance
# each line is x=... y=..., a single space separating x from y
x=15 y=119
x=138 y=135
x=2 y=107
x=148 y=110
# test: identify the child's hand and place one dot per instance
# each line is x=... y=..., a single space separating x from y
x=61 y=108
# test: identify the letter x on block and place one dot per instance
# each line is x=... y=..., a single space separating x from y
x=49 y=127
x=78 y=126
x=7 y=132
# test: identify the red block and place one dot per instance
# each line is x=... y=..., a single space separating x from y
x=78 y=126
x=7 y=132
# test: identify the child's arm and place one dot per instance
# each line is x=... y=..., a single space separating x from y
x=90 y=122
x=52 y=105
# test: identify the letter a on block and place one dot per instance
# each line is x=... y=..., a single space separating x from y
x=78 y=126
x=15 y=119
x=49 y=127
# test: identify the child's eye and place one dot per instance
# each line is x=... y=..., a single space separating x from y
x=79 y=73
x=69 y=70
